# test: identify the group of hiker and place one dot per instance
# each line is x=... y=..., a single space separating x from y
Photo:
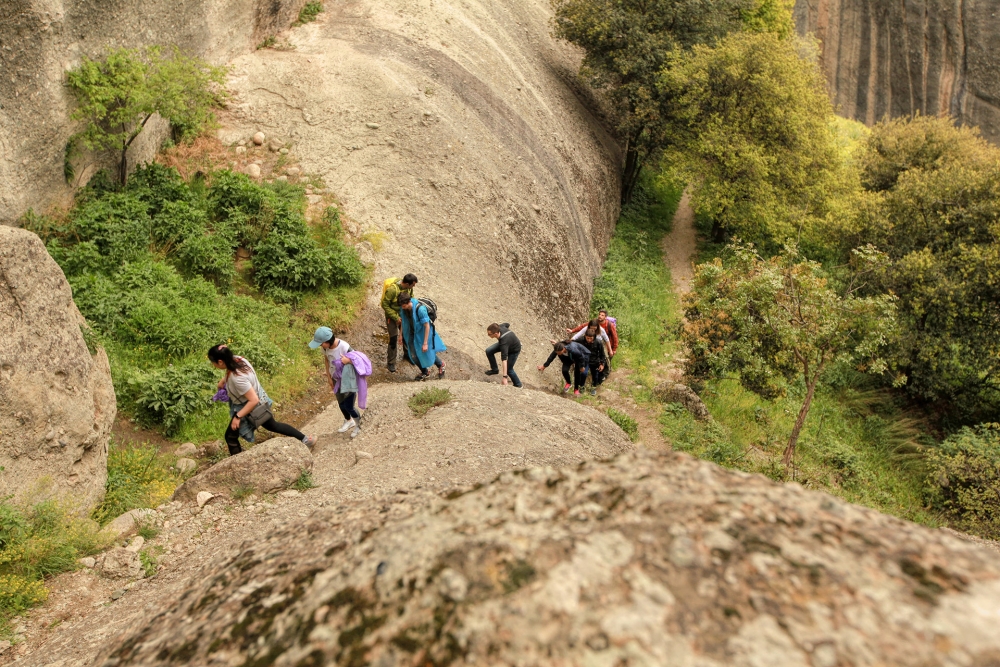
x=410 y=322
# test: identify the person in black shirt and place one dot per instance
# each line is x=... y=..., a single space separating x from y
x=573 y=355
x=509 y=348
x=598 y=358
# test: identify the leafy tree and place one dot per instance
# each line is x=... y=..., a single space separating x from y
x=964 y=479
x=933 y=204
x=750 y=128
x=779 y=319
x=628 y=42
x=119 y=94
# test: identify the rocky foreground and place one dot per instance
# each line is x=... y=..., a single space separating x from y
x=649 y=559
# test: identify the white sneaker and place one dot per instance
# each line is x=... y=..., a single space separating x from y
x=355 y=432
x=347 y=426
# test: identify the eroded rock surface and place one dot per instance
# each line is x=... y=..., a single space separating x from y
x=57 y=404
x=264 y=468
x=649 y=559
x=898 y=58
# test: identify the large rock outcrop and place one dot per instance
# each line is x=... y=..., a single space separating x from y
x=649 y=559
x=41 y=39
x=57 y=404
x=896 y=58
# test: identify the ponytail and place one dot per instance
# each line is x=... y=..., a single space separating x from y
x=233 y=363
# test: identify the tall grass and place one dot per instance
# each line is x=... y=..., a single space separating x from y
x=138 y=476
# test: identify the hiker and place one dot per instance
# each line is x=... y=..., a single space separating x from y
x=420 y=336
x=249 y=405
x=608 y=324
x=598 y=359
x=347 y=372
x=509 y=348
x=599 y=333
x=391 y=289
x=573 y=355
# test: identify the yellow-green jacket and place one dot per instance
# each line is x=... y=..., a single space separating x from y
x=390 y=300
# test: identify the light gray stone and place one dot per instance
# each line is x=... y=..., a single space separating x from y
x=120 y=563
x=185 y=466
x=128 y=523
x=676 y=392
x=253 y=171
x=258 y=138
x=87 y=561
x=203 y=497
x=187 y=449
x=267 y=467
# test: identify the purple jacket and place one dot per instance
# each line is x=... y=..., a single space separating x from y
x=362 y=368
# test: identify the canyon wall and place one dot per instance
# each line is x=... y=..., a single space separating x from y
x=41 y=39
x=892 y=59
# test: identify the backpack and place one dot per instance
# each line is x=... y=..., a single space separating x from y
x=432 y=309
x=388 y=283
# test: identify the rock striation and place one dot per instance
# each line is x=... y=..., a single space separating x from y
x=57 y=404
x=649 y=559
x=898 y=58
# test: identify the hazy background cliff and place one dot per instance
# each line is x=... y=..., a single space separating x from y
x=896 y=58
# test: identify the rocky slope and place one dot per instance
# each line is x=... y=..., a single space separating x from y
x=897 y=58
x=450 y=132
x=649 y=559
x=57 y=404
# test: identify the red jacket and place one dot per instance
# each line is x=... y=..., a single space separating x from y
x=609 y=328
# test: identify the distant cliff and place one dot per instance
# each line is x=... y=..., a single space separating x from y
x=895 y=58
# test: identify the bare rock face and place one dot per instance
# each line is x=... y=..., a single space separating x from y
x=897 y=58
x=57 y=404
x=649 y=559
x=265 y=468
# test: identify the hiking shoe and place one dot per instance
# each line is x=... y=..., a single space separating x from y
x=355 y=432
x=593 y=392
x=493 y=372
x=309 y=442
x=440 y=372
x=576 y=392
x=392 y=368
x=421 y=377
x=347 y=426
x=566 y=388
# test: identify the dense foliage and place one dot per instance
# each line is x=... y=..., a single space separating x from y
x=120 y=93
x=773 y=321
x=964 y=479
x=153 y=271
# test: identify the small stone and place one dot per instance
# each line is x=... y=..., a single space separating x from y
x=314 y=199
x=253 y=171
x=241 y=150
x=289 y=493
x=203 y=497
x=358 y=456
x=295 y=171
x=117 y=594
x=372 y=126
x=538 y=209
x=187 y=449
x=212 y=448
x=87 y=561
x=275 y=146
x=283 y=151
x=185 y=466
x=136 y=544
x=120 y=563
x=258 y=138
x=282 y=179
x=453 y=585
x=242 y=143
x=427 y=113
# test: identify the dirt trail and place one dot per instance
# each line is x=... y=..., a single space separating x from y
x=680 y=245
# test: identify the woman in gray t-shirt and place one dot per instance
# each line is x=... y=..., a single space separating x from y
x=245 y=393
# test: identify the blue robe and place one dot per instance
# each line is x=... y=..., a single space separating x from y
x=413 y=335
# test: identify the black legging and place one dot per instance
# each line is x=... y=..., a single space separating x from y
x=579 y=375
x=233 y=436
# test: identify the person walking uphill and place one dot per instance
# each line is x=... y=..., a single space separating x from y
x=420 y=336
x=249 y=405
x=347 y=372
x=509 y=348
x=573 y=355
x=391 y=290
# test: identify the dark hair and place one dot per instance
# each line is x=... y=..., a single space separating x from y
x=409 y=279
x=602 y=310
x=233 y=363
x=493 y=328
x=403 y=299
x=591 y=331
x=594 y=323
x=559 y=347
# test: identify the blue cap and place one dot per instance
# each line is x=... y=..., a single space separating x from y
x=322 y=335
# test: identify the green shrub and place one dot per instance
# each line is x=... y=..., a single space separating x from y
x=209 y=255
x=170 y=395
x=422 y=401
x=19 y=594
x=310 y=12
x=304 y=482
x=625 y=423
x=138 y=476
x=964 y=479
x=118 y=224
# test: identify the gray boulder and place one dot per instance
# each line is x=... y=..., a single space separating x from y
x=128 y=523
x=264 y=468
x=57 y=404
x=676 y=392
x=121 y=563
x=648 y=559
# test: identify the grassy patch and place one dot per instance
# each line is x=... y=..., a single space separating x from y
x=242 y=491
x=138 y=476
x=37 y=542
x=304 y=482
x=625 y=423
x=310 y=12
x=422 y=401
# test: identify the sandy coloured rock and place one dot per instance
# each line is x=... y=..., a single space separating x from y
x=55 y=419
x=187 y=449
x=128 y=523
x=258 y=138
x=203 y=497
x=653 y=559
x=185 y=465
x=253 y=171
x=120 y=563
x=677 y=392
x=266 y=467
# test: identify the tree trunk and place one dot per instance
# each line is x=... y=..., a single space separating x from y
x=630 y=175
x=718 y=233
x=123 y=167
x=800 y=420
